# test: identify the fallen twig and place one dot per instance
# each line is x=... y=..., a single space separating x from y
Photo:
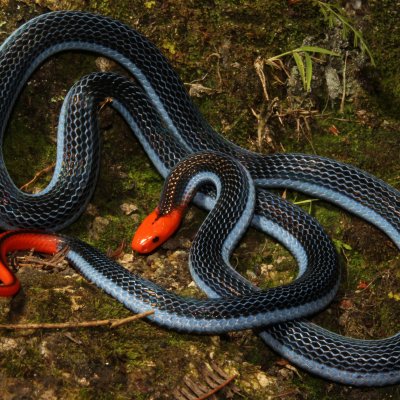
x=37 y=176
x=115 y=254
x=341 y=109
x=284 y=394
x=212 y=381
x=113 y=323
x=217 y=388
x=31 y=260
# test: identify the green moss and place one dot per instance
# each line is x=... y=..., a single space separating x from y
x=384 y=37
x=25 y=364
x=22 y=145
x=315 y=388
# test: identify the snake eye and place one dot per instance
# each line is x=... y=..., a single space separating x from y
x=156 y=239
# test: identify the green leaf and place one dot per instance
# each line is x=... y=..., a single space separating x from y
x=308 y=71
x=316 y=49
x=333 y=13
x=355 y=43
x=149 y=4
x=310 y=49
x=308 y=201
x=341 y=246
x=300 y=66
x=324 y=12
x=347 y=246
x=331 y=21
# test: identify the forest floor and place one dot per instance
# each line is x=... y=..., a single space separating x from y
x=213 y=45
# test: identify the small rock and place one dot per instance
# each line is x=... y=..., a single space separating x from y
x=83 y=381
x=7 y=344
x=265 y=269
x=265 y=380
x=280 y=259
x=178 y=255
x=128 y=208
x=44 y=350
x=153 y=258
x=333 y=83
x=126 y=259
x=286 y=373
x=105 y=64
x=251 y=275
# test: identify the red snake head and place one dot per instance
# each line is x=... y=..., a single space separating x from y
x=155 y=230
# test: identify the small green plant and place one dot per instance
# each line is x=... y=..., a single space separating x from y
x=303 y=56
x=308 y=202
x=304 y=67
x=334 y=14
x=342 y=247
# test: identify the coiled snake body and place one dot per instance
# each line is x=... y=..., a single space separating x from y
x=170 y=128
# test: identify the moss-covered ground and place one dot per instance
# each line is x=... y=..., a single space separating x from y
x=214 y=43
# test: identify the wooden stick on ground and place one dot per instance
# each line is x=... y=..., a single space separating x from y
x=38 y=175
x=112 y=323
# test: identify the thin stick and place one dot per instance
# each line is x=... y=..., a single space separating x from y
x=284 y=394
x=37 y=176
x=28 y=261
x=217 y=388
x=118 y=322
x=341 y=110
x=113 y=323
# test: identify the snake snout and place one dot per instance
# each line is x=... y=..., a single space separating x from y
x=155 y=230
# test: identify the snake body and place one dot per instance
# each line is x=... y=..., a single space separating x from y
x=170 y=128
x=250 y=310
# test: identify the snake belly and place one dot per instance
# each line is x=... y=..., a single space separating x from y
x=184 y=131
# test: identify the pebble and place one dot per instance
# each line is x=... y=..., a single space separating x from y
x=265 y=380
x=251 y=275
x=128 y=208
x=7 y=344
x=178 y=255
x=265 y=268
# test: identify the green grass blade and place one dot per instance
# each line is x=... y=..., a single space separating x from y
x=316 y=49
x=308 y=60
x=300 y=66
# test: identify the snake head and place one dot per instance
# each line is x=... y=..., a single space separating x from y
x=155 y=230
